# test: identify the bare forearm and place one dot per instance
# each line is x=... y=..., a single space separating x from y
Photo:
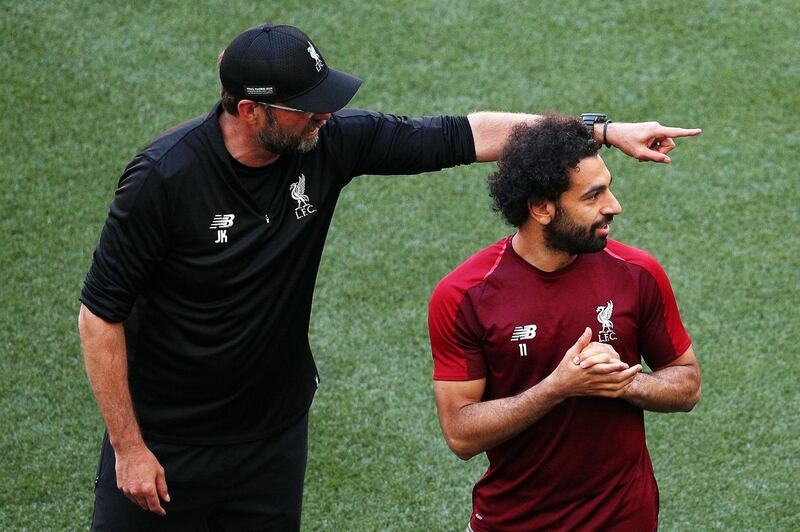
x=106 y=363
x=670 y=389
x=645 y=141
x=483 y=425
x=490 y=130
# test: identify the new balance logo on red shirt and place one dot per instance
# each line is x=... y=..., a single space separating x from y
x=523 y=332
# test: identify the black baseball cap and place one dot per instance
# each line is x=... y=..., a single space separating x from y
x=277 y=63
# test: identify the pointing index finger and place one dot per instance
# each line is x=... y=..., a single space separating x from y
x=675 y=132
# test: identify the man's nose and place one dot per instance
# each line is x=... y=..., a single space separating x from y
x=613 y=206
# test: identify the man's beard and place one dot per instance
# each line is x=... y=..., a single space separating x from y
x=564 y=234
x=276 y=141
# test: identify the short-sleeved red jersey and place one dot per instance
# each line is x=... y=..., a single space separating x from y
x=585 y=464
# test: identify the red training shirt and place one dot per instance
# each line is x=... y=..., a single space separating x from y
x=585 y=464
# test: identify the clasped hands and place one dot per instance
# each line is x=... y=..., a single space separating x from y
x=593 y=369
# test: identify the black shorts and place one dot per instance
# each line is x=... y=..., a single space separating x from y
x=251 y=486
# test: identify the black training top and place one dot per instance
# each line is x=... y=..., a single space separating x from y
x=213 y=275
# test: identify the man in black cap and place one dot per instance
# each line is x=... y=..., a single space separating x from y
x=195 y=311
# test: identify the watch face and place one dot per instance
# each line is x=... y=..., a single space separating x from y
x=594 y=118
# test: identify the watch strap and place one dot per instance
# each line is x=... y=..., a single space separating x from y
x=590 y=119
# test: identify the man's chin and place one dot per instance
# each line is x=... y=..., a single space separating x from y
x=599 y=244
x=308 y=143
x=596 y=245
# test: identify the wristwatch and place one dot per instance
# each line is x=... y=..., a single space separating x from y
x=590 y=119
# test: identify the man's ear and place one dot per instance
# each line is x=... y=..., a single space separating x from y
x=247 y=110
x=542 y=212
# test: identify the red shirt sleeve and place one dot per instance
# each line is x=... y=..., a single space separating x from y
x=455 y=336
x=662 y=337
x=455 y=331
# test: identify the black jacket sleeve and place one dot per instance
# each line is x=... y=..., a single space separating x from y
x=375 y=143
x=133 y=241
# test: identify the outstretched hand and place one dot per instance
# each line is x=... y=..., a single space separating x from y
x=646 y=141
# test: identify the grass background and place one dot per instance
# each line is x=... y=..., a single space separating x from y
x=88 y=83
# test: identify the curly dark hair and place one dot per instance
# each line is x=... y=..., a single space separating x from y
x=534 y=164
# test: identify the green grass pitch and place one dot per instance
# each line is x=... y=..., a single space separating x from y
x=86 y=84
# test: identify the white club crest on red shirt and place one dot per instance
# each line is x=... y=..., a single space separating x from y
x=607 y=333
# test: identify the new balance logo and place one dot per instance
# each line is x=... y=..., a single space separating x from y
x=221 y=222
x=523 y=332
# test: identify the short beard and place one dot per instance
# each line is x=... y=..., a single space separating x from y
x=564 y=234
x=276 y=141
